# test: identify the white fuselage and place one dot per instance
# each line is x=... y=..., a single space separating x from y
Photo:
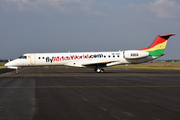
x=79 y=59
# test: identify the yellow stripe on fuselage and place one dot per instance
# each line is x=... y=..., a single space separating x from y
x=159 y=46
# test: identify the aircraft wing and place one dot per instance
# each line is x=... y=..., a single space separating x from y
x=94 y=63
x=90 y=63
x=100 y=63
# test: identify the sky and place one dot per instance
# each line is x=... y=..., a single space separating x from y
x=47 y=26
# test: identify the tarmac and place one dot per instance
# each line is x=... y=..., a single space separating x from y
x=74 y=93
x=5 y=71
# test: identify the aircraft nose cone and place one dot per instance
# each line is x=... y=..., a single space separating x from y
x=7 y=64
x=10 y=63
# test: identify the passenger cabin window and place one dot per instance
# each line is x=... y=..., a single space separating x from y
x=39 y=57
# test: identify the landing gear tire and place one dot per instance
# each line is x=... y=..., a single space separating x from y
x=100 y=70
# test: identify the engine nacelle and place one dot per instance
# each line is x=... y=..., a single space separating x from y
x=134 y=54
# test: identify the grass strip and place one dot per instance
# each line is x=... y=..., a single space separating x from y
x=2 y=65
x=162 y=66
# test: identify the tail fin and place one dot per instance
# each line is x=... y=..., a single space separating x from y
x=158 y=46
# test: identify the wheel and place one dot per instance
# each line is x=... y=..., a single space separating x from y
x=98 y=70
x=17 y=71
x=102 y=70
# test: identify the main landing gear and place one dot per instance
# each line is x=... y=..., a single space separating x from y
x=99 y=70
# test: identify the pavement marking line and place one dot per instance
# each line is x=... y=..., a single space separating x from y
x=16 y=87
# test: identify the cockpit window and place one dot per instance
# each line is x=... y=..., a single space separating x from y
x=23 y=57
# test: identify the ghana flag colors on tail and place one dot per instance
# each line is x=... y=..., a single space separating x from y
x=158 y=46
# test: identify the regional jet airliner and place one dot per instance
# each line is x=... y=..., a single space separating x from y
x=94 y=60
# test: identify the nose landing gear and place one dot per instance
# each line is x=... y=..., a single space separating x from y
x=17 y=71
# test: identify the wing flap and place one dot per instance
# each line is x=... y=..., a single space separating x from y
x=95 y=63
